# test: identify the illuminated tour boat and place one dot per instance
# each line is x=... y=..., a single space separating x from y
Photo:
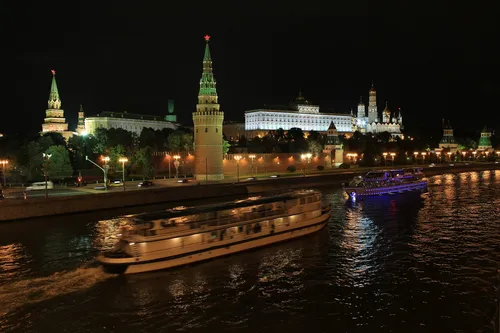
x=386 y=182
x=185 y=235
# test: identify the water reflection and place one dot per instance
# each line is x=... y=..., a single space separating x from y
x=395 y=263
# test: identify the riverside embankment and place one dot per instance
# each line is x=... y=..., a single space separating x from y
x=39 y=207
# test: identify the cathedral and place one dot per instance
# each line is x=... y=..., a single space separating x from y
x=371 y=122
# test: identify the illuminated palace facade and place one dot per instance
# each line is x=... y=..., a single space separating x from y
x=301 y=115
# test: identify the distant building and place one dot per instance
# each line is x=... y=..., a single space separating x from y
x=171 y=116
x=54 y=115
x=80 y=128
x=301 y=115
x=391 y=122
x=333 y=146
x=448 y=140
x=485 y=140
x=128 y=121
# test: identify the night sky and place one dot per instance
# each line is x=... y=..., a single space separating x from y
x=431 y=60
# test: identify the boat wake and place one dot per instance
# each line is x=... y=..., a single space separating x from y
x=20 y=293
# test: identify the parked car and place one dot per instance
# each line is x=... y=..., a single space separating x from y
x=275 y=176
x=184 y=180
x=145 y=183
x=40 y=186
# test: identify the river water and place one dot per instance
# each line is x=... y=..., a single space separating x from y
x=404 y=263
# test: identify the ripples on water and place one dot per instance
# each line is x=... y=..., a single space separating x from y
x=406 y=263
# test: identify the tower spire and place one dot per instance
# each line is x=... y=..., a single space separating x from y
x=207 y=81
x=54 y=100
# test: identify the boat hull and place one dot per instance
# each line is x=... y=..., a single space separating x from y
x=374 y=191
x=134 y=265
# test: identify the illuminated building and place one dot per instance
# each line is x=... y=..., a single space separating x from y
x=333 y=146
x=448 y=140
x=54 y=115
x=391 y=122
x=302 y=115
x=80 y=128
x=131 y=122
x=485 y=140
x=208 y=121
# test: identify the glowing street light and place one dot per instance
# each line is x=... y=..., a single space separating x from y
x=103 y=170
x=237 y=158
x=251 y=157
x=393 y=156
x=385 y=158
x=3 y=163
x=46 y=158
x=176 y=164
x=438 y=156
x=449 y=155
x=305 y=159
x=123 y=160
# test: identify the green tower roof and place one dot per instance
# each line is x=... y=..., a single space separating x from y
x=54 y=93
x=207 y=81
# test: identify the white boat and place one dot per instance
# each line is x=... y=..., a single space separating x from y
x=382 y=182
x=183 y=235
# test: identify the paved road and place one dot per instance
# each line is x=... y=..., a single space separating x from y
x=17 y=194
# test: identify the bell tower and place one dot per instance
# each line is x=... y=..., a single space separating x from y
x=208 y=125
x=372 y=105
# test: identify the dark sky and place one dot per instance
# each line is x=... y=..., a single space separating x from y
x=431 y=60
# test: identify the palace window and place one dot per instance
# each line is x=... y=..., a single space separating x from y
x=206 y=129
x=216 y=130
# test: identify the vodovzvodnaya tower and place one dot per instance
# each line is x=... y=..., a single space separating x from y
x=208 y=125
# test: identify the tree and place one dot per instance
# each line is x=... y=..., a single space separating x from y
x=187 y=142
x=315 y=147
x=147 y=138
x=59 y=165
x=142 y=162
x=175 y=141
x=225 y=147
x=101 y=143
x=115 y=153
x=57 y=138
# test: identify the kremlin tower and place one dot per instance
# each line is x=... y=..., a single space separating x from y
x=54 y=115
x=372 y=106
x=208 y=125
x=333 y=146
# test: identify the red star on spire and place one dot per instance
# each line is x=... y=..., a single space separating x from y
x=53 y=71
x=207 y=38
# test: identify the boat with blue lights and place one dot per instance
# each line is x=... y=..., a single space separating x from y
x=382 y=182
x=186 y=235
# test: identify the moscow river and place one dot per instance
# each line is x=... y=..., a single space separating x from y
x=404 y=263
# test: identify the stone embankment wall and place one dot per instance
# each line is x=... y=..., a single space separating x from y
x=38 y=207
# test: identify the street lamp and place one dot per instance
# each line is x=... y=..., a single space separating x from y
x=474 y=154
x=46 y=157
x=106 y=167
x=176 y=164
x=393 y=155
x=438 y=156
x=238 y=158
x=449 y=156
x=251 y=157
x=385 y=158
x=3 y=163
x=305 y=158
x=416 y=156
x=123 y=160
x=103 y=170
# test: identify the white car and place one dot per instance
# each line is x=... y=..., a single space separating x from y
x=432 y=165
x=40 y=186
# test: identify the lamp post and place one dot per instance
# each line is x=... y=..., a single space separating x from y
x=237 y=158
x=438 y=156
x=46 y=158
x=168 y=157
x=423 y=157
x=449 y=156
x=393 y=156
x=474 y=154
x=103 y=170
x=123 y=160
x=106 y=167
x=176 y=164
x=251 y=157
x=305 y=158
x=415 y=154
x=385 y=158
x=3 y=163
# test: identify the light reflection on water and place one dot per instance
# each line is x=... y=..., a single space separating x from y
x=400 y=263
